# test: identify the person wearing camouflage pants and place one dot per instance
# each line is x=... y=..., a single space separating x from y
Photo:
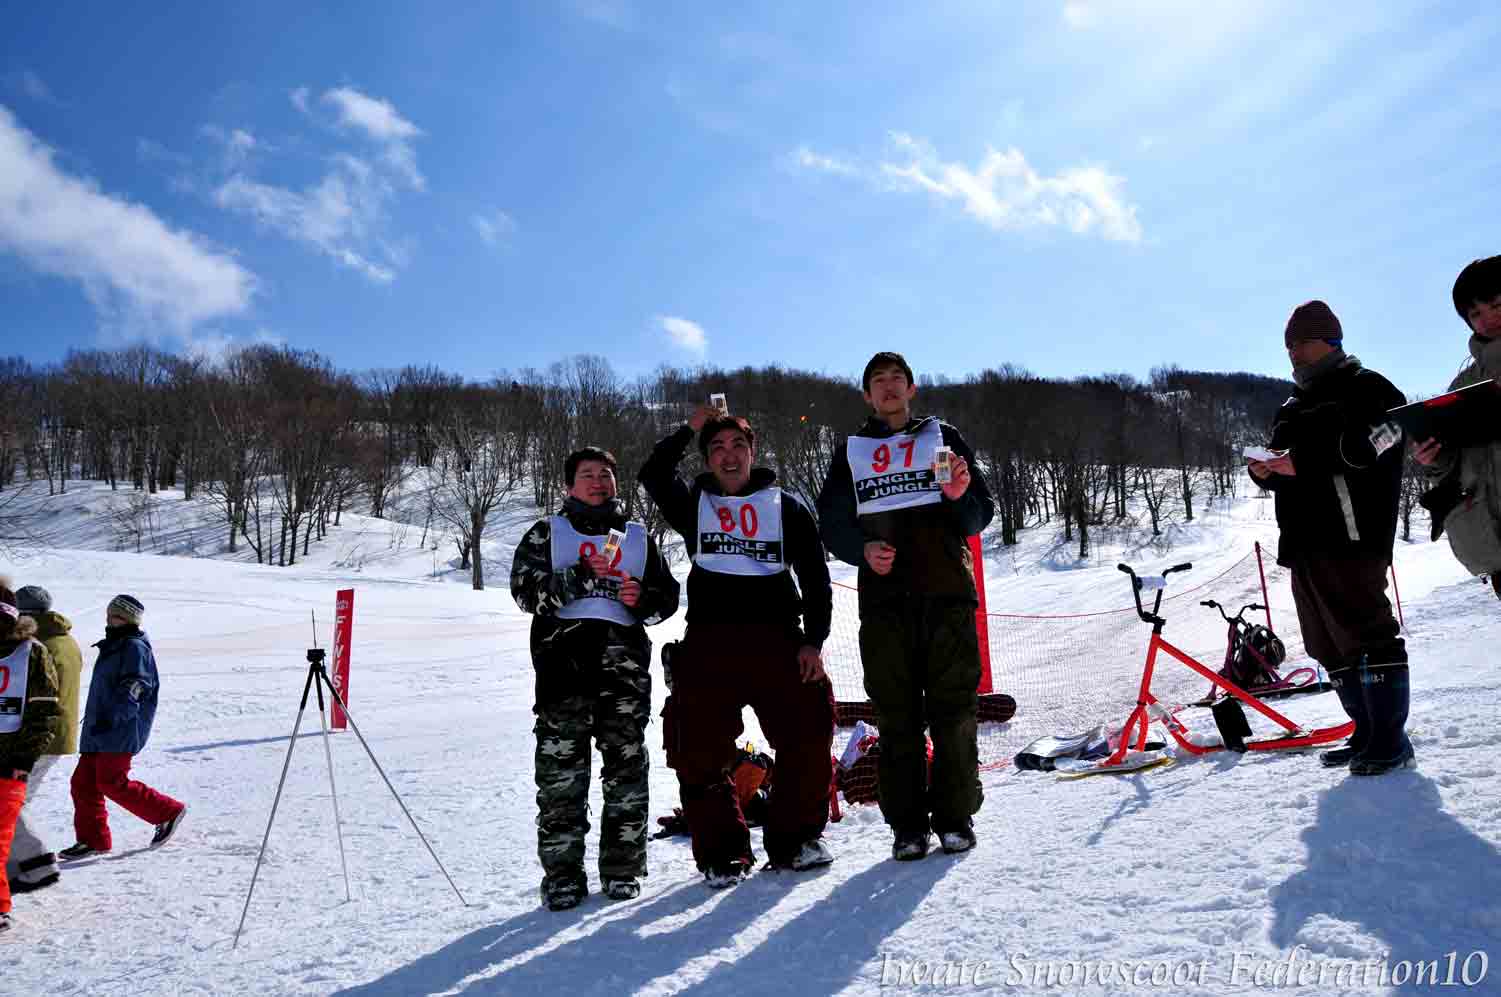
x=591 y=604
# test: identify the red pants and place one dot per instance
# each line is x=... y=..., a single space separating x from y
x=106 y=775
x=12 y=795
x=718 y=670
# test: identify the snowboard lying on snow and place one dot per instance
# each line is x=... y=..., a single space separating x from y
x=995 y=708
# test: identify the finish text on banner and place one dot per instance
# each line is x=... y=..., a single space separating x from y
x=343 y=628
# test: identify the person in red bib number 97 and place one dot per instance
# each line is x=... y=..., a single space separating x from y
x=593 y=662
x=752 y=640
x=885 y=508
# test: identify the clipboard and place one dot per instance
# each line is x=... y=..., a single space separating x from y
x=1467 y=417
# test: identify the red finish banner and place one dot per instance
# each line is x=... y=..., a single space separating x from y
x=343 y=629
x=982 y=627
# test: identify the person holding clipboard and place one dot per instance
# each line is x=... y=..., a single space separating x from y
x=1464 y=493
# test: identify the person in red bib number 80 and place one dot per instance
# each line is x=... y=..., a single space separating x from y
x=752 y=639
x=885 y=508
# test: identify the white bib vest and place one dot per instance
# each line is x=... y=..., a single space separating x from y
x=14 y=671
x=895 y=472
x=741 y=535
x=568 y=545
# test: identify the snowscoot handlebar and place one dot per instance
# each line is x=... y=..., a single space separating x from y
x=1239 y=617
x=1137 y=585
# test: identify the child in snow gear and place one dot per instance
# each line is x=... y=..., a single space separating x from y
x=752 y=639
x=1464 y=484
x=593 y=664
x=1337 y=493
x=883 y=509
x=116 y=725
x=32 y=864
x=28 y=719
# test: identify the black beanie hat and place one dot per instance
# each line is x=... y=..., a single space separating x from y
x=1312 y=320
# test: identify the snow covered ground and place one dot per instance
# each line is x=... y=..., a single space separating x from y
x=1191 y=879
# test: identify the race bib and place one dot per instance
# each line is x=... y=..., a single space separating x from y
x=895 y=472
x=14 y=671
x=741 y=535
x=568 y=546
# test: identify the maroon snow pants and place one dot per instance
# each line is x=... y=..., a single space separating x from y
x=105 y=775
x=717 y=671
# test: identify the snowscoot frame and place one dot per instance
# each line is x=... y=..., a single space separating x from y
x=1148 y=708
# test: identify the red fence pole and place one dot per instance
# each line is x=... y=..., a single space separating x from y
x=1264 y=600
x=982 y=625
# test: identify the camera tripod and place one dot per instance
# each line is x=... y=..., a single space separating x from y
x=317 y=679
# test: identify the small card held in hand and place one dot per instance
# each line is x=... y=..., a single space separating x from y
x=1463 y=418
x=1262 y=453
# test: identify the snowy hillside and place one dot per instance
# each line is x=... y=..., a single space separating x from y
x=1190 y=879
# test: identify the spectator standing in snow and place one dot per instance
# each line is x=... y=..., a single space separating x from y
x=884 y=509
x=1464 y=484
x=116 y=725
x=28 y=719
x=593 y=663
x=1337 y=490
x=32 y=864
x=753 y=639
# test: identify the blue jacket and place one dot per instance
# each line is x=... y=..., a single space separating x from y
x=122 y=694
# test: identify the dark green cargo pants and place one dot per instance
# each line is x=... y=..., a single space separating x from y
x=922 y=666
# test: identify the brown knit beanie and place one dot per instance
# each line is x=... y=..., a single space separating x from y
x=1314 y=320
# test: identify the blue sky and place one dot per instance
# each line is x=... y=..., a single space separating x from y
x=1073 y=187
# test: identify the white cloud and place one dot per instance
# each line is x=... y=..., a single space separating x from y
x=1003 y=191
x=493 y=227
x=685 y=334
x=380 y=120
x=1079 y=14
x=238 y=144
x=617 y=14
x=345 y=214
x=33 y=87
x=130 y=263
x=1006 y=193
x=148 y=151
x=214 y=346
x=339 y=215
x=807 y=159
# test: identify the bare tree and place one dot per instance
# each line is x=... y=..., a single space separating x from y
x=486 y=443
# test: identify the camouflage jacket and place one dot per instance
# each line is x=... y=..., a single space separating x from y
x=541 y=587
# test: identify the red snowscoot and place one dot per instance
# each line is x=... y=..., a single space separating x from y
x=1229 y=717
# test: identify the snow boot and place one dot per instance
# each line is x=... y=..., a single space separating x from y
x=167 y=828
x=726 y=874
x=4 y=922
x=1387 y=696
x=80 y=851
x=564 y=891
x=36 y=873
x=910 y=846
x=960 y=838
x=811 y=855
x=1346 y=682
x=625 y=888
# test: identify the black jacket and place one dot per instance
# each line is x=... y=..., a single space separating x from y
x=716 y=597
x=931 y=541
x=1344 y=497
